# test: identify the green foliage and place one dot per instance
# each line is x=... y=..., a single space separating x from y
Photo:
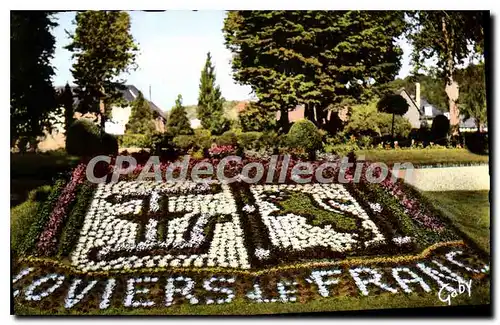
x=103 y=49
x=228 y=138
x=250 y=140
x=141 y=117
x=202 y=139
x=25 y=214
x=315 y=58
x=184 y=142
x=210 y=102
x=257 y=118
x=367 y=121
x=304 y=134
x=32 y=96
x=446 y=36
x=364 y=120
x=178 y=123
x=162 y=143
x=85 y=139
x=472 y=98
x=66 y=101
x=439 y=129
x=38 y=221
x=76 y=217
x=402 y=127
x=431 y=88
x=393 y=104
x=129 y=140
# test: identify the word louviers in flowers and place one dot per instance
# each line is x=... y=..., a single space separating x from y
x=146 y=244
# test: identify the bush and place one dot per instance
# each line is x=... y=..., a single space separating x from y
x=162 y=144
x=135 y=141
x=184 y=142
x=402 y=126
x=228 y=138
x=202 y=139
x=477 y=142
x=250 y=140
x=439 y=129
x=84 y=139
x=304 y=134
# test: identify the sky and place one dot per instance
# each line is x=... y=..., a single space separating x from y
x=173 y=47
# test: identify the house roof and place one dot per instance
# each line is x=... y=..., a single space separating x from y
x=435 y=111
x=129 y=94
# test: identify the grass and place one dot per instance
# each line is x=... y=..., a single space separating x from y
x=22 y=216
x=302 y=203
x=469 y=211
x=421 y=157
x=31 y=170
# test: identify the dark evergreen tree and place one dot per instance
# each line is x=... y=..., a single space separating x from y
x=32 y=96
x=66 y=101
x=210 y=108
x=141 y=117
x=103 y=49
x=178 y=122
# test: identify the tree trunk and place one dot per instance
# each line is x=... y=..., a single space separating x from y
x=451 y=87
x=284 y=122
x=392 y=130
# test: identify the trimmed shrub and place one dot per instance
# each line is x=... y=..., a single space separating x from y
x=162 y=144
x=135 y=141
x=439 y=129
x=202 y=139
x=228 y=138
x=84 y=139
x=184 y=142
x=304 y=135
x=402 y=127
x=250 y=140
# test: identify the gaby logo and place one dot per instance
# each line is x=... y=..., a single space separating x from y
x=447 y=292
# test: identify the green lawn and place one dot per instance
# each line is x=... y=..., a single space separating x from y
x=421 y=157
x=469 y=210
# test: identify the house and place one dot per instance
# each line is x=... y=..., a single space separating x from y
x=420 y=112
x=115 y=125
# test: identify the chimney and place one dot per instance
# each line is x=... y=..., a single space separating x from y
x=417 y=94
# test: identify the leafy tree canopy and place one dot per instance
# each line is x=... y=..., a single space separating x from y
x=32 y=96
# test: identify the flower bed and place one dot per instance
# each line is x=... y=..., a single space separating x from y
x=147 y=244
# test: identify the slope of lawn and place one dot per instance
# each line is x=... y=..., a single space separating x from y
x=469 y=211
x=422 y=157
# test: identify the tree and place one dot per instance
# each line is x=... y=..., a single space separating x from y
x=431 y=88
x=141 y=117
x=449 y=37
x=393 y=104
x=66 y=101
x=32 y=96
x=314 y=58
x=472 y=99
x=178 y=123
x=210 y=102
x=254 y=118
x=104 y=49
